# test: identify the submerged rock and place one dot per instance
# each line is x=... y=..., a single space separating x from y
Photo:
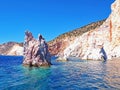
x=36 y=51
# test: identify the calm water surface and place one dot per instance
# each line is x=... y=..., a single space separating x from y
x=72 y=75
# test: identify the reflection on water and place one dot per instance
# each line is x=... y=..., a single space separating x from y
x=72 y=75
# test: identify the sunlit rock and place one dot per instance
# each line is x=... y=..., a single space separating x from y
x=100 y=43
x=36 y=51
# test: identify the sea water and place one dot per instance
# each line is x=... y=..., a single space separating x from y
x=74 y=74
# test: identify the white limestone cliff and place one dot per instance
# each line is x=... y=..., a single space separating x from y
x=106 y=37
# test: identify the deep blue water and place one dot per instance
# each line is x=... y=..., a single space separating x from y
x=72 y=75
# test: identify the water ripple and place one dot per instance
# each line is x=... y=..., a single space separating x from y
x=72 y=75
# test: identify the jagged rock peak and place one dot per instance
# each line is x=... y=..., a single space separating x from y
x=36 y=51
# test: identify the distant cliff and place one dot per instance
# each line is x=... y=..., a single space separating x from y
x=57 y=45
x=11 y=48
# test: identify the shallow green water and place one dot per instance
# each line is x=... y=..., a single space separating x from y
x=72 y=75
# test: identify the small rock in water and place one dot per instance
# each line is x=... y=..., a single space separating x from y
x=62 y=59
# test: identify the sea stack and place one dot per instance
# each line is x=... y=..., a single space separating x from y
x=36 y=51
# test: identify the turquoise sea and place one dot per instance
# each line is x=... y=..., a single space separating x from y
x=74 y=74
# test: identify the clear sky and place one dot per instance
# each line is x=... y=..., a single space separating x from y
x=48 y=17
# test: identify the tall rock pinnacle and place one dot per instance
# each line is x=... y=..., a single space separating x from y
x=36 y=51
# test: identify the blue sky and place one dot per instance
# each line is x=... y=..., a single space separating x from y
x=48 y=17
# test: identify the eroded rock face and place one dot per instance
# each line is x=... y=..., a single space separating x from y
x=36 y=51
x=58 y=46
x=102 y=42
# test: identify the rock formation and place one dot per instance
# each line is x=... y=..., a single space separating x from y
x=100 y=43
x=36 y=51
